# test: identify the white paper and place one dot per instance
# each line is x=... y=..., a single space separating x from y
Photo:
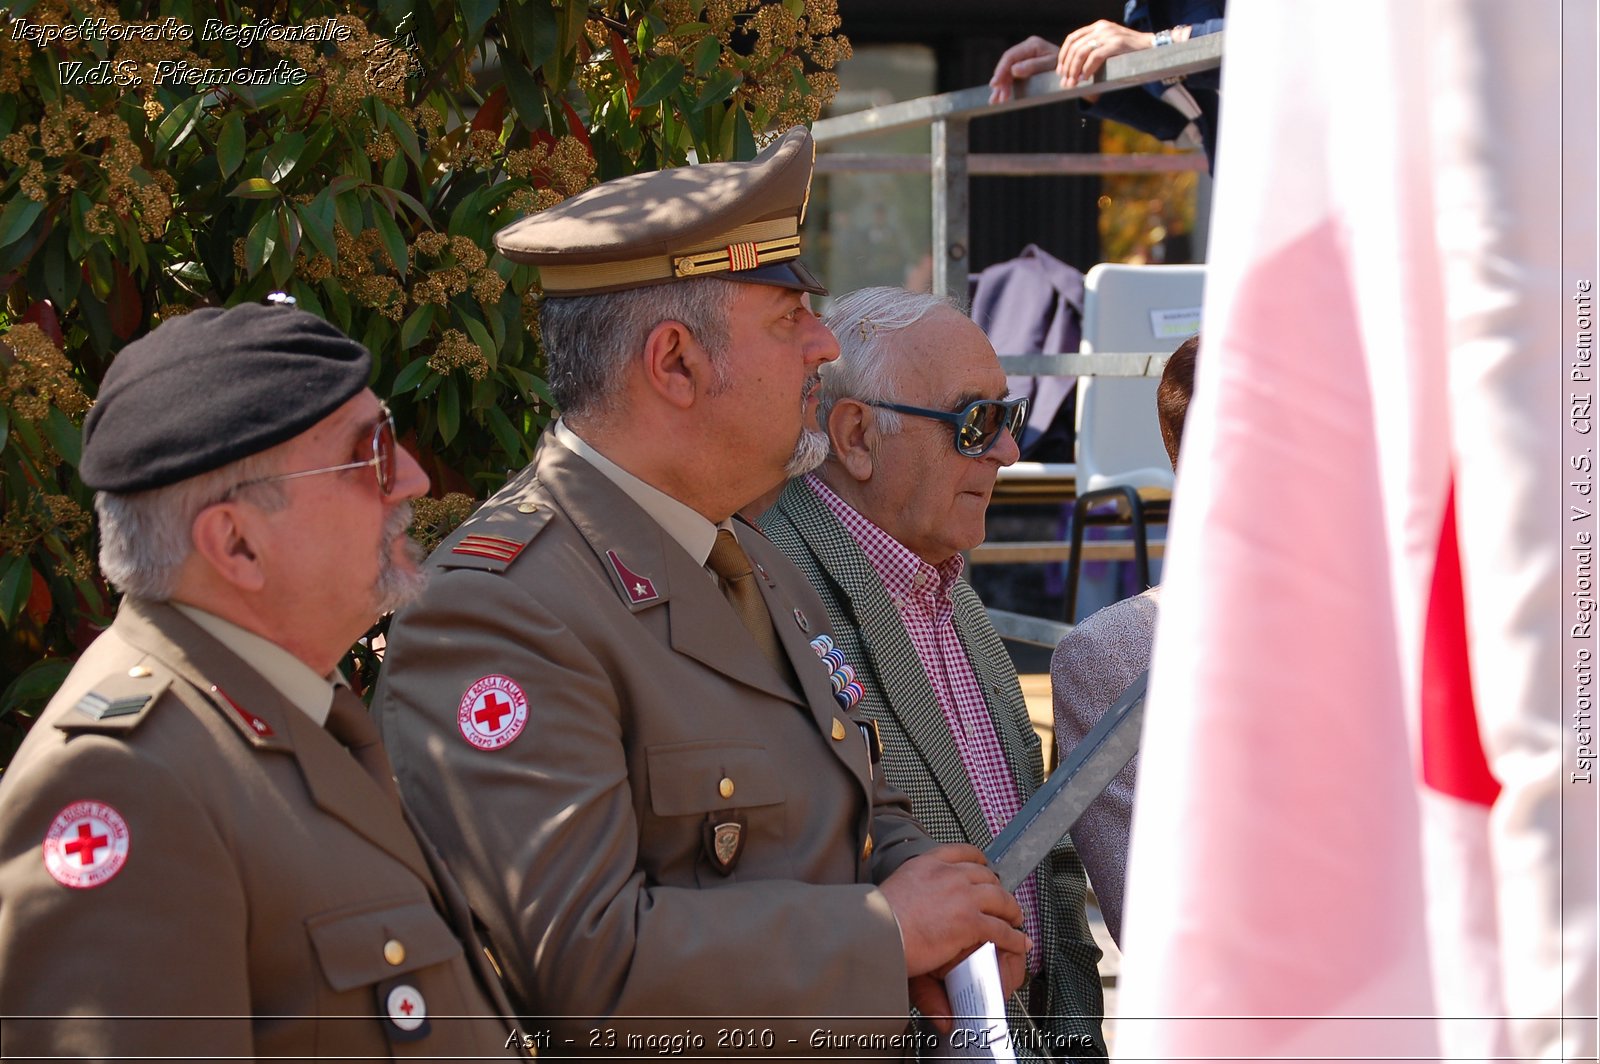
x=979 y=1007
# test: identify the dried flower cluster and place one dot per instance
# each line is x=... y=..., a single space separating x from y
x=456 y=350
x=434 y=519
x=43 y=514
x=38 y=376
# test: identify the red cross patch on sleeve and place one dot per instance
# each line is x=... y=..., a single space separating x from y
x=86 y=845
x=493 y=712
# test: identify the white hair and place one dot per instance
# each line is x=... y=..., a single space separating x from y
x=146 y=536
x=862 y=322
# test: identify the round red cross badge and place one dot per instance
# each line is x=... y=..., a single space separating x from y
x=86 y=845
x=406 y=1008
x=493 y=712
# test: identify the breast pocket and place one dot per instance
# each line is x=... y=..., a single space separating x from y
x=719 y=812
x=377 y=942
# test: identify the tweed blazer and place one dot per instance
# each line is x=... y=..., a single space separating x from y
x=921 y=759
x=657 y=740
x=227 y=882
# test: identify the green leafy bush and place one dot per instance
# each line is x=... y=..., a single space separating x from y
x=159 y=157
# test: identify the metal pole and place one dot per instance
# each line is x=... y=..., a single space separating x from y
x=950 y=219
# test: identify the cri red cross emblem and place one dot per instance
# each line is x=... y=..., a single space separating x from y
x=406 y=1009
x=84 y=846
x=494 y=710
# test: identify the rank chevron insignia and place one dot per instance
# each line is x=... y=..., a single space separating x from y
x=495 y=548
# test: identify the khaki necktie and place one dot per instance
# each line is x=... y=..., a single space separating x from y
x=350 y=722
x=729 y=561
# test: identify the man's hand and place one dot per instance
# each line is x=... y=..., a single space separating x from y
x=1079 y=57
x=928 y=995
x=948 y=902
x=1021 y=62
x=1087 y=48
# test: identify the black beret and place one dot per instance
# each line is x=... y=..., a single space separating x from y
x=212 y=387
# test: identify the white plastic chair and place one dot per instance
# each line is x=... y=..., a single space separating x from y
x=1121 y=459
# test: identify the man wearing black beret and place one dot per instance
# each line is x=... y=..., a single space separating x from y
x=202 y=851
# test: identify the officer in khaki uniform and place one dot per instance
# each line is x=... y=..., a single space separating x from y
x=614 y=707
x=202 y=851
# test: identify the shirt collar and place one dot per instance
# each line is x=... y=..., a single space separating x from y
x=288 y=675
x=904 y=574
x=683 y=523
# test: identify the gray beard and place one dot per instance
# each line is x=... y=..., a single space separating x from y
x=399 y=585
x=810 y=451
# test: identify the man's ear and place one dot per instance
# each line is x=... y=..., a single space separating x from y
x=223 y=538
x=852 y=431
x=677 y=366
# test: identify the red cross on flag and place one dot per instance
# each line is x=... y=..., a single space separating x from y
x=493 y=712
x=86 y=844
x=1365 y=821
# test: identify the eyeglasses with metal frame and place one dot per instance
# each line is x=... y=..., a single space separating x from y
x=977 y=425
x=384 y=449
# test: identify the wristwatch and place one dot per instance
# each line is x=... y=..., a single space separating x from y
x=1163 y=38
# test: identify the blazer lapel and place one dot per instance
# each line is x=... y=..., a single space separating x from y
x=650 y=570
x=335 y=782
x=887 y=651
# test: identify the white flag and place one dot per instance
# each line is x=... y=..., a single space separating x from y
x=1363 y=828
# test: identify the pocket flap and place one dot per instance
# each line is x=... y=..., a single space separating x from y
x=690 y=778
x=366 y=944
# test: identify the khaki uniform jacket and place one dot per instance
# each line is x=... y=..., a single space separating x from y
x=652 y=717
x=921 y=758
x=263 y=876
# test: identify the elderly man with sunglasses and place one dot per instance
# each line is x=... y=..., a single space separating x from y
x=919 y=426
x=202 y=849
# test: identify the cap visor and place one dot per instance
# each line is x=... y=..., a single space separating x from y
x=791 y=274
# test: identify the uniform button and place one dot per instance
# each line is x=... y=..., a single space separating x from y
x=527 y=507
x=139 y=672
x=838 y=730
x=866 y=848
x=394 y=952
x=725 y=788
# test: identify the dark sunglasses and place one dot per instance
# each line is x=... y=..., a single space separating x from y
x=382 y=461
x=977 y=424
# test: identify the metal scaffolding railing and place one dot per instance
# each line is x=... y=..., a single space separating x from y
x=952 y=165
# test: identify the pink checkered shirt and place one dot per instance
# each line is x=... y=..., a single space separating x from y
x=922 y=593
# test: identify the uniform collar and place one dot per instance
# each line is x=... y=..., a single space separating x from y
x=687 y=527
x=291 y=677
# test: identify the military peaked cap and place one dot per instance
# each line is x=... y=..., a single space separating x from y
x=736 y=220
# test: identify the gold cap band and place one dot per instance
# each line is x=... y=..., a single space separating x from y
x=758 y=243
